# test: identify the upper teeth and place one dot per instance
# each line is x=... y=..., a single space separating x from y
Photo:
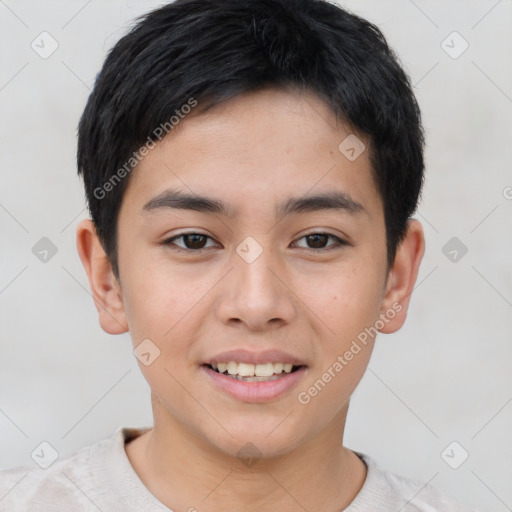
x=251 y=370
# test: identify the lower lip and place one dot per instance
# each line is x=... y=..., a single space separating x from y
x=254 y=391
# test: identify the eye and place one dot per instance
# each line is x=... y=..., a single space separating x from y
x=196 y=242
x=193 y=242
x=319 y=240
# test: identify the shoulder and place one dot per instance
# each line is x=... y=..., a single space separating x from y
x=385 y=490
x=25 y=487
x=69 y=483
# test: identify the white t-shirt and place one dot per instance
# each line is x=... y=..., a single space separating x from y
x=100 y=478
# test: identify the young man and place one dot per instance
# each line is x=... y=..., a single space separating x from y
x=251 y=169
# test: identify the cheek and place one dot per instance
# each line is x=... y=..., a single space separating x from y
x=348 y=307
x=157 y=310
x=161 y=304
x=347 y=302
x=152 y=301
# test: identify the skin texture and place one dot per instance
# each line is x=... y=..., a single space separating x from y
x=251 y=152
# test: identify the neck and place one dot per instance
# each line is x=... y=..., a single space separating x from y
x=187 y=473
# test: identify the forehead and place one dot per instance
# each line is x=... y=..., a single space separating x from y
x=256 y=148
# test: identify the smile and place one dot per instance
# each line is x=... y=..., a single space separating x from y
x=254 y=372
x=254 y=382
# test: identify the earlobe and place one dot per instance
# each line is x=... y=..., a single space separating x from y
x=402 y=278
x=105 y=289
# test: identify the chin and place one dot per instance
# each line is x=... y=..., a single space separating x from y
x=251 y=439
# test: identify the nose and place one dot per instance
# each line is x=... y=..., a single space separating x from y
x=256 y=293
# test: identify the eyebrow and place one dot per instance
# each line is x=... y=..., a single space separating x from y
x=335 y=200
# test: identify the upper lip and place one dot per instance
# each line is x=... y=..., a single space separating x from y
x=260 y=357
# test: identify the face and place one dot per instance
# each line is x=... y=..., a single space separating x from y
x=283 y=262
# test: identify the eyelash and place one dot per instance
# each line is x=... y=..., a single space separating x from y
x=169 y=242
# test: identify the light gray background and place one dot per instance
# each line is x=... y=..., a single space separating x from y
x=446 y=376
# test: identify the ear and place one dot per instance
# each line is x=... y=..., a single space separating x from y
x=105 y=288
x=402 y=277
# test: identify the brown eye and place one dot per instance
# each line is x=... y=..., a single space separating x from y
x=191 y=242
x=194 y=241
x=318 y=241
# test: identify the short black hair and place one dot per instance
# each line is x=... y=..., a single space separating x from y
x=203 y=52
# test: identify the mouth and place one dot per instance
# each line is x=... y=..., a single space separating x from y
x=254 y=383
x=254 y=372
